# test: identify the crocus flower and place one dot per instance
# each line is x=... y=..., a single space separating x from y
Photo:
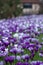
x=3 y=53
x=18 y=58
x=19 y=63
x=9 y=59
x=1 y=63
x=41 y=53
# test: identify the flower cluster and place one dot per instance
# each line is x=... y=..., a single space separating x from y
x=21 y=40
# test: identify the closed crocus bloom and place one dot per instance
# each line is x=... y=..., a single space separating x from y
x=26 y=37
x=1 y=63
x=1 y=43
x=2 y=48
x=21 y=30
x=32 y=56
x=27 y=57
x=6 y=42
x=30 y=49
x=27 y=43
x=21 y=40
x=36 y=49
x=18 y=58
x=41 y=53
x=3 y=53
x=23 y=46
x=9 y=59
x=26 y=63
x=12 y=40
x=39 y=46
x=23 y=57
x=41 y=43
x=20 y=51
x=19 y=63
x=13 y=50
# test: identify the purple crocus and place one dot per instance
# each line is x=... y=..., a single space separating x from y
x=9 y=59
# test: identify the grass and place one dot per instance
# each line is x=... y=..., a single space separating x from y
x=40 y=37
